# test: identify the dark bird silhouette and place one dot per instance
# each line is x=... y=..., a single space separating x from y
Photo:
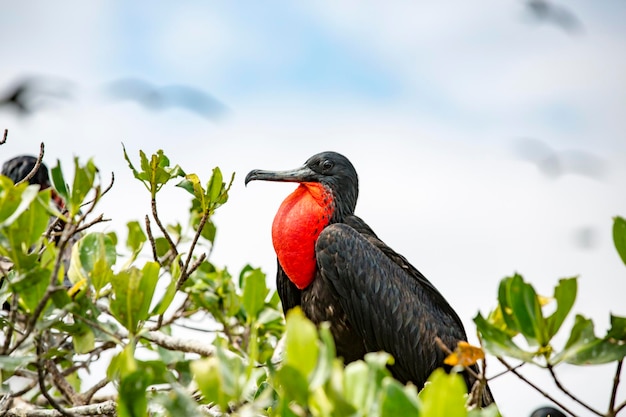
x=547 y=412
x=555 y=164
x=332 y=265
x=547 y=11
x=26 y=96
x=171 y=96
x=17 y=169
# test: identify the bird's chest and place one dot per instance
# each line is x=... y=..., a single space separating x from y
x=321 y=304
x=297 y=225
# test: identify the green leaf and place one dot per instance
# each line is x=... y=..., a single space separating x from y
x=618 y=328
x=527 y=310
x=301 y=347
x=357 y=387
x=60 y=185
x=170 y=292
x=326 y=359
x=136 y=236
x=26 y=229
x=177 y=402
x=31 y=287
x=132 y=399
x=93 y=257
x=83 y=338
x=254 y=292
x=220 y=378
x=155 y=172
x=443 y=395
x=83 y=181
x=122 y=364
x=399 y=400
x=584 y=348
x=216 y=185
x=293 y=384
x=619 y=236
x=498 y=342
x=565 y=295
x=13 y=363
x=133 y=291
x=14 y=199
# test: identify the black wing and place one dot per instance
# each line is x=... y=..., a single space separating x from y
x=287 y=291
x=393 y=306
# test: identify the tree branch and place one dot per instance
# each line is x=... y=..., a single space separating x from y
x=569 y=394
x=107 y=408
x=535 y=387
x=33 y=171
x=41 y=378
x=173 y=343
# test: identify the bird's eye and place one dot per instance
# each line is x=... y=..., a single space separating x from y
x=327 y=165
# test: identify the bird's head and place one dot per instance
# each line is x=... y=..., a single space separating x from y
x=331 y=169
x=19 y=167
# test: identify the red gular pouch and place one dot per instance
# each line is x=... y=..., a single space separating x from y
x=297 y=225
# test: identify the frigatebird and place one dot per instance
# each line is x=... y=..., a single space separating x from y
x=333 y=265
x=19 y=168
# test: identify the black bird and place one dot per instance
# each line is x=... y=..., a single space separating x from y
x=547 y=412
x=547 y=11
x=555 y=164
x=26 y=95
x=20 y=167
x=158 y=98
x=332 y=265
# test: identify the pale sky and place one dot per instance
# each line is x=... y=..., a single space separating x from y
x=430 y=101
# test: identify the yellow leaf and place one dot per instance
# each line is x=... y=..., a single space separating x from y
x=464 y=355
x=544 y=300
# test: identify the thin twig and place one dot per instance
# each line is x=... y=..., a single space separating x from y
x=185 y=273
x=4 y=138
x=88 y=395
x=99 y=219
x=535 y=387
x=167 y=236
x=616 y=379
x=173 y=343
x=12 y=315
x=41 y=378
x=61 y=384
x=33 y=171
x=151 y=239
x=569 y=394
x=499 y=374
x=107 y=408
x=447 y=351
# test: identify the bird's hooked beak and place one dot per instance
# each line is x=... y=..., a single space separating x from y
x=302 y=174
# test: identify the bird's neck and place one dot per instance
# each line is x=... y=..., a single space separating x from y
x=299 y=221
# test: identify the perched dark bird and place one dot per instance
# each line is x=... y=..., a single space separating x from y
x=547 y=412
x=332 y=265
x=26 y=95
x=158 y=98
x=20 y=167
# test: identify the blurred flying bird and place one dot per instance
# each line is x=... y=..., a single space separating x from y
x=29 y=94
x=332 y=265
x=169 y=96
x=554 y=164
x=548 y=12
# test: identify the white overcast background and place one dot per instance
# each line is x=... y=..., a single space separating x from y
x=429 y=100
